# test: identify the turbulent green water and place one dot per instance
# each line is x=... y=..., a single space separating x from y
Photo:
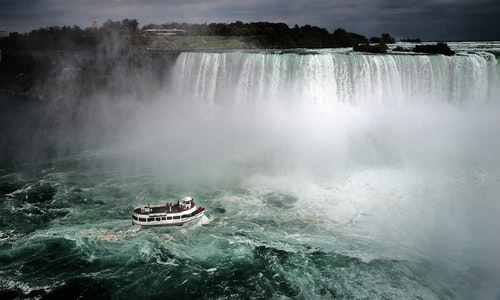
x=325 y=176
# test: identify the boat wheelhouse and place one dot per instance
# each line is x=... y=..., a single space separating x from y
x=167 y=214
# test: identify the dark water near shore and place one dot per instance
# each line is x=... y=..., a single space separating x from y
x=326 y=176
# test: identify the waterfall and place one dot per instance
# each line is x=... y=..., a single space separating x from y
x=328 y=109
x=348 y=78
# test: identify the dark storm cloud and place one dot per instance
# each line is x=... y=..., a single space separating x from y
x=466 y=19
x=427 y=19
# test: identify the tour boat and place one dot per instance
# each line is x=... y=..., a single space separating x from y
x=167 y=214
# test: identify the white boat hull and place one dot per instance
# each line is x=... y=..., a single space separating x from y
x=165 y=215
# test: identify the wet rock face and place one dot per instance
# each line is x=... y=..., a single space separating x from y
x=439 y=48
x=379 y=48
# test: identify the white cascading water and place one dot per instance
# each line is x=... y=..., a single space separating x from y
x=334 y=78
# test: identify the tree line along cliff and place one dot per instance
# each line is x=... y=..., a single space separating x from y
x=257 y=35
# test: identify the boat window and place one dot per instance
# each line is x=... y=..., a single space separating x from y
x=134 y=217
x=177 y=217
x=163 y=218
x=142 y=220
x=151 y=219
x=169 y=218
x=158 y=219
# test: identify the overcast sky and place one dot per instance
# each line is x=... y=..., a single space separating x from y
x=425 y=19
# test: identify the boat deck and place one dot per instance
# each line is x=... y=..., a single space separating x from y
x=159 y=209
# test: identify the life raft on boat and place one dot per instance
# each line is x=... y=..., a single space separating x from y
x=167 y=214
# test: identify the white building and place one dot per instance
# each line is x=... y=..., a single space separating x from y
x=164 y=32
x=95 y=25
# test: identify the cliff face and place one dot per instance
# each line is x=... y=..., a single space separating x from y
x=62 y=74
x=82 y=99
x=17 y=72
